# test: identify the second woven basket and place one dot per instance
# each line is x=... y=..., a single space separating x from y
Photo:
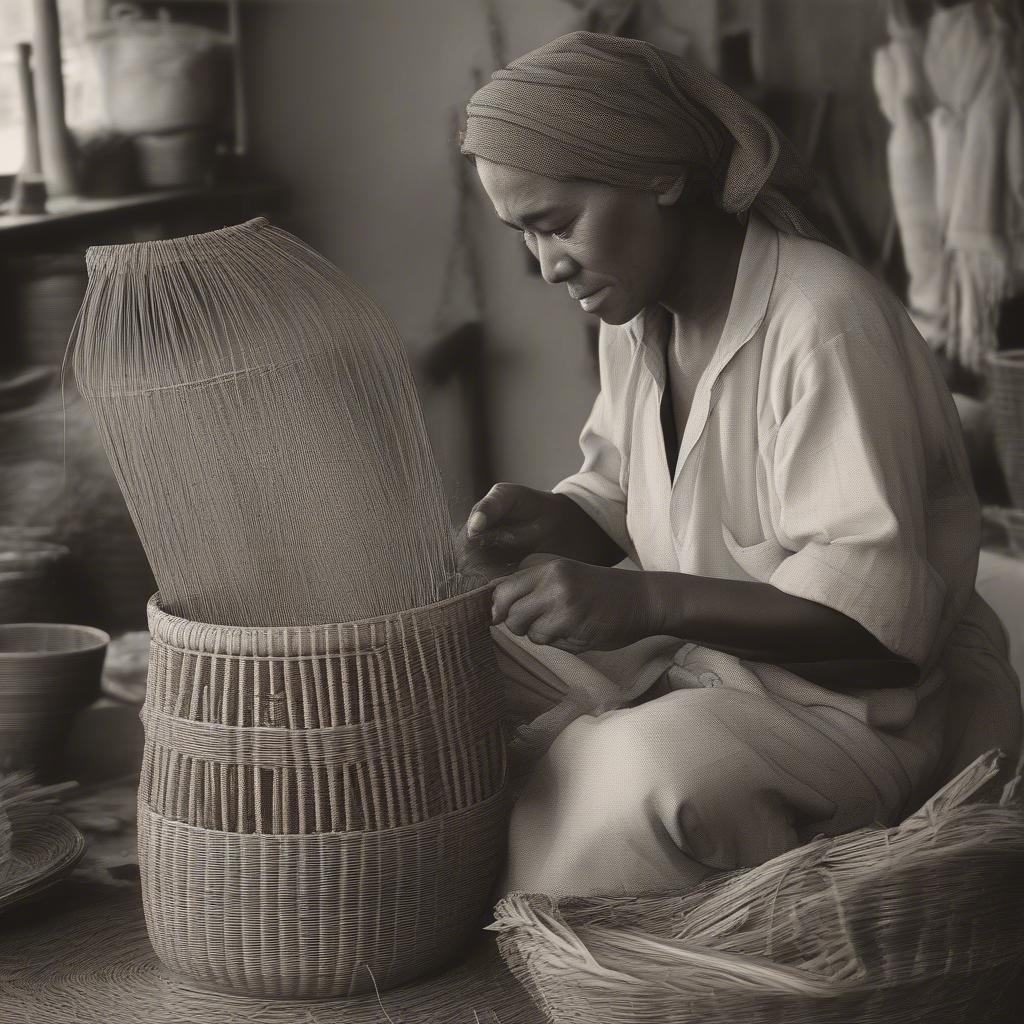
x=321 y=808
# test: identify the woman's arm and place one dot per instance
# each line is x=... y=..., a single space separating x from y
x=513 y=521
x=759 y=622
x=579 y=607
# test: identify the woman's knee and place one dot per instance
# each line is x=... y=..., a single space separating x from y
x=648 y=760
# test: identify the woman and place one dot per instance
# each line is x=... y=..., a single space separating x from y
x=772 y=446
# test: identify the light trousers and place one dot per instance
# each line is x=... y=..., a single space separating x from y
x=727 y=763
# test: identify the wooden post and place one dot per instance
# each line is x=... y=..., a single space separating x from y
x=54 y=141
x=241 y=127
x=29 y=193
x=31 y=165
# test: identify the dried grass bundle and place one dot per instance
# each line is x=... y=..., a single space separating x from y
x=259 y=413
x=921 y=922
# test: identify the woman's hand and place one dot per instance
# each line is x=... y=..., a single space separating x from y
x=513 y=521
x=574 y=606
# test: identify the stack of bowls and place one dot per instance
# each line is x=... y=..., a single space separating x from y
x=321 y=808
x=30 y=585
x=48 y=673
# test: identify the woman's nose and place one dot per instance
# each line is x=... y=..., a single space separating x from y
x=555 y=266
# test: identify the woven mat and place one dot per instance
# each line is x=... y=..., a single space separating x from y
x=83 y=955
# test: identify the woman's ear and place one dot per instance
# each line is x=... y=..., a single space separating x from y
x=671 y=195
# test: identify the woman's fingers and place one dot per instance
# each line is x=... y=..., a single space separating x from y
x=529 y=606
x=538 y=558
x=509 y=591
x=503 y=501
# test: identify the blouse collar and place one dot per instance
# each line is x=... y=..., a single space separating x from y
x=755 y=279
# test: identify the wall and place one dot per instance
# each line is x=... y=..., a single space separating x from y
x=351 y=104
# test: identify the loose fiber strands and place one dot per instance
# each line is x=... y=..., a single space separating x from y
x=259 y=412
x=905 y=925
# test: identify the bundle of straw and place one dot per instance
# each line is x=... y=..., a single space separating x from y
x=259 y=413
x=921 y=922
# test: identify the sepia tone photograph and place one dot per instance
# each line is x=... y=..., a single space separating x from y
x=390 y=637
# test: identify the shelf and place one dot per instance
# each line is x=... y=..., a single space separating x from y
x=67 y=215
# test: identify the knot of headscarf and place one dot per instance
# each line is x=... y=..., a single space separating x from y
x=623 y=112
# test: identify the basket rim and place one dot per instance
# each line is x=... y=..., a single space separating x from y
x=162 y=622
x=111 y=257
x=100 y=637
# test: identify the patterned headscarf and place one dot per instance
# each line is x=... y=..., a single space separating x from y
x=623 y=112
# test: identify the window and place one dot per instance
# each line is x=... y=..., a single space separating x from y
x=79 y=100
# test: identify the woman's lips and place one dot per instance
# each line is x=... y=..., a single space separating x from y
x=592 y=301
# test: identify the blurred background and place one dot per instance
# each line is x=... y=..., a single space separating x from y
x=339 y=120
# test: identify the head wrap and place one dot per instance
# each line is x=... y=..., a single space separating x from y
x=622 y=112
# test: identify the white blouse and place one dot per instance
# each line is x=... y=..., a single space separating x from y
x=822 y=453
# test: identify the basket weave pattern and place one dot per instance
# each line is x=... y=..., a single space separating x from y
x=321 y=808
x=303 y=916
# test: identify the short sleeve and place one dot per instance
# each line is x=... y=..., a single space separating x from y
x=849 y=470
x=597 y=487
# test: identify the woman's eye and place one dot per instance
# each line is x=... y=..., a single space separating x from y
x=530 y=239
x=563 y=233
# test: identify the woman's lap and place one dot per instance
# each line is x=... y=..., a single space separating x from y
x=655 y=796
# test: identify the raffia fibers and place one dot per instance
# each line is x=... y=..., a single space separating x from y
x=259 y=413
x=918 y=923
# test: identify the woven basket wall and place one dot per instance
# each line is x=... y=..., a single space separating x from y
x=1006 y=396
x=316 y=801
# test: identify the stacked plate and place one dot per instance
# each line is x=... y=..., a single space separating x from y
x=30 y=589
x=37 y=846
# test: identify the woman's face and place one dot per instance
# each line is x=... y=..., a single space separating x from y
x=616 y=250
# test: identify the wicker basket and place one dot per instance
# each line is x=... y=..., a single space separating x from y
x=1006 y=396
x=916 y=923
x=316 y=800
